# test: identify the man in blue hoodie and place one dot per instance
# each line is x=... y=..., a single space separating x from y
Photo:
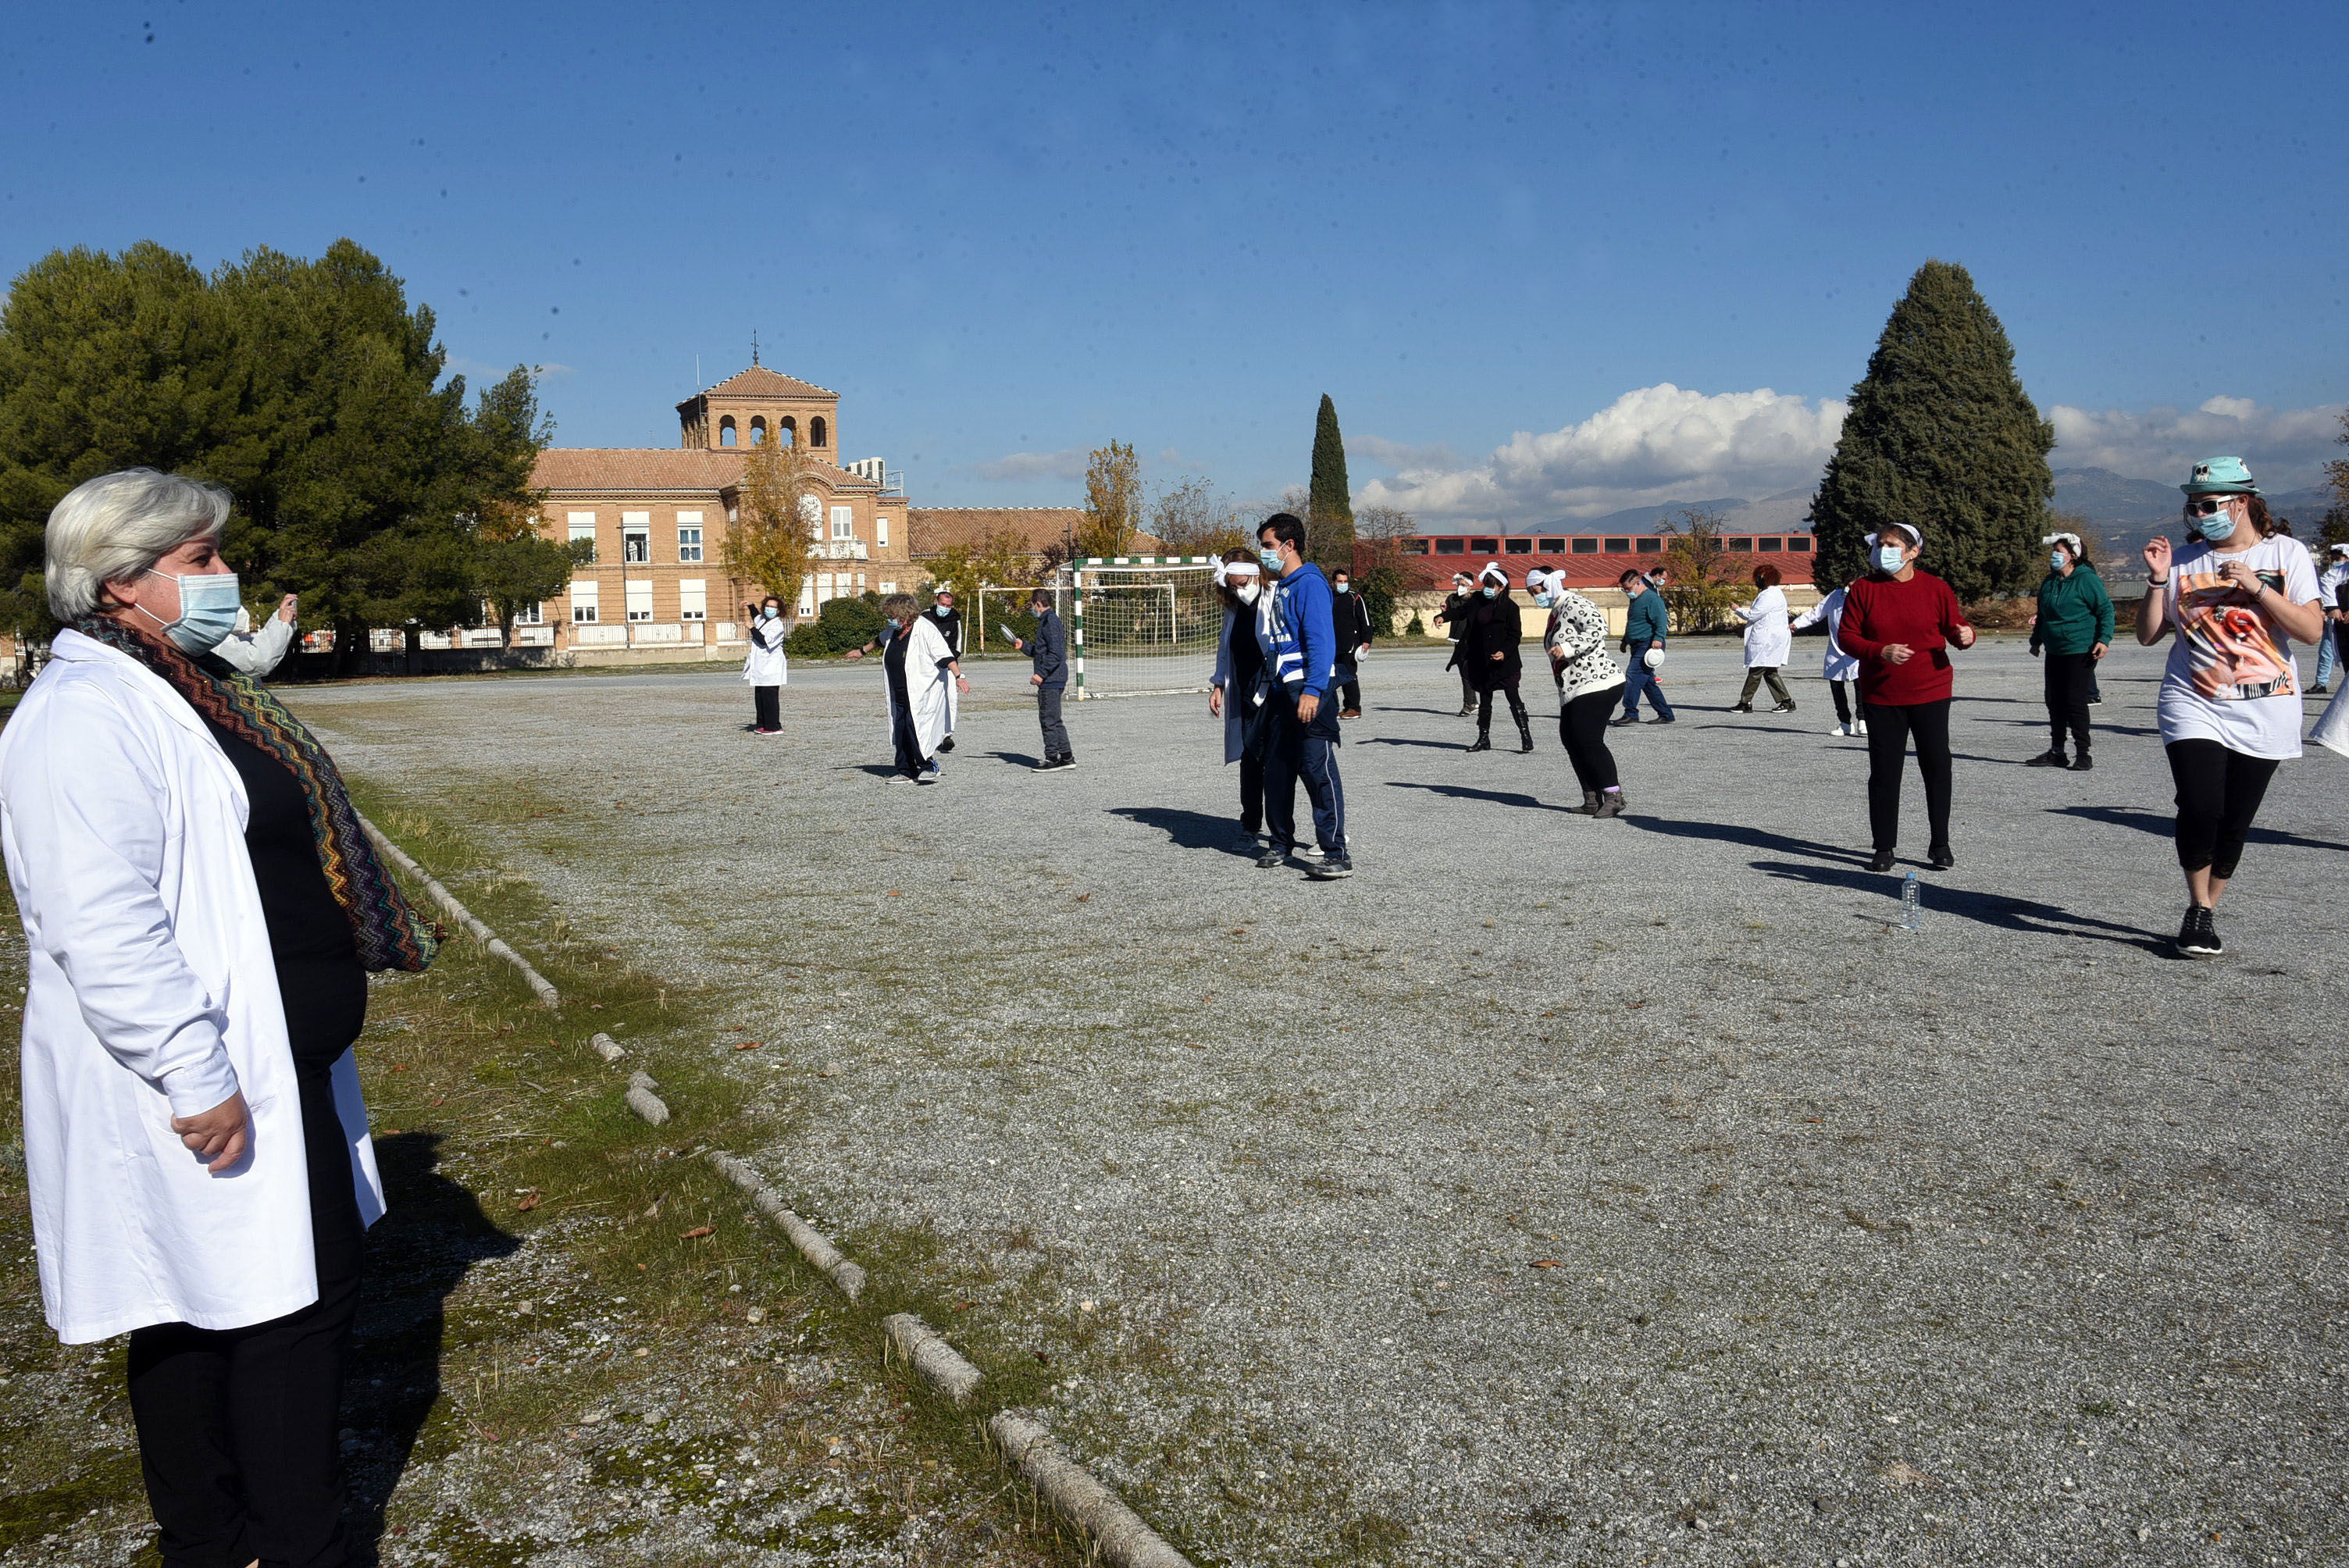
x=1300 y=638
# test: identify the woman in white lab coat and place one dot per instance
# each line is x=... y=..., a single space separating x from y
x=766 y=669
x=1767 y=640
x=200 y=911
x=1839 y=670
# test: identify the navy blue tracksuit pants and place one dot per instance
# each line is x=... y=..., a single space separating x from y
x=1294 y=750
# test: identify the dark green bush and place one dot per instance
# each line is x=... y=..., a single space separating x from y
x=807 y=642
x=848 y=623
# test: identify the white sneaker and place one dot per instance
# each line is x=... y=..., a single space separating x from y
x=1308 y=851
x=1840 y=730
x=1861 y=727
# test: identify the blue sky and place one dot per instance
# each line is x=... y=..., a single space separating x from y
x=1547 y=259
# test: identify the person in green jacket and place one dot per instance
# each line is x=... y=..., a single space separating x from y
x=2074 y=630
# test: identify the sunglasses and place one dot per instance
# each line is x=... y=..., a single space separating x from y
x=2207 y=505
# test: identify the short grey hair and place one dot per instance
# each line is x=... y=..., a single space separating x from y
x=898 y=604
x=116 y=527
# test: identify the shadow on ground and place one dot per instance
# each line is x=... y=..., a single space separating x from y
x=1996 y=910
x=2166 y=826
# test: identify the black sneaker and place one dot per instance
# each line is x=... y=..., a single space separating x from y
x=1941 y=857
x=2048 y=760
x=1784 y=708
x=1273 y=858
x=947 y=745
x=2198 y=937
x=1330 y=868
x=1881 y=861
x=1624 y=718
x=2081 y=763
x=1664 y=718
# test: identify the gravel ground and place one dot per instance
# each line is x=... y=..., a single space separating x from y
x=1553 y=1191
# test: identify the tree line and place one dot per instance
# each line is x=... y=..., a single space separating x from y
x=383 y=494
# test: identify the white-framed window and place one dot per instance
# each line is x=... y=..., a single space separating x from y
x=888 y=587
x=823 y=587
x=860 y=582
x=584 y=594
x=583 y=527
x=844 y=522
x=812 y=510
x=637 y=537
x=688 y=537
x=807 y=600
x=530 y=615
x=640 y=599
x=880 y=529
x=693 y=598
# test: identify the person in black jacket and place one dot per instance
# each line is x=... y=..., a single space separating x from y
x=1464 y=593
x=948 y=621
x=1354 y=619
x=1048 y=652
x=1490 y=630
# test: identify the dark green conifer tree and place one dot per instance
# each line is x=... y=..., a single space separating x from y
x=1329 y=499
x=1941 y=434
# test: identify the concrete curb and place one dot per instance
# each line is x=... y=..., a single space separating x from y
x=812 y=1243
x=1117 y=1532
x=547 y=995
x=939 y=1363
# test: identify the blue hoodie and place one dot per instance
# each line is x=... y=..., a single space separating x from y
x=1303 y=648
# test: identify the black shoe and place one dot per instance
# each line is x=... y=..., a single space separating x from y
x=1055 y=763
x=947 y=744
x=1274 y=858
x=1467 y=710
x=1624 y=718
x=1483 y=741
x=2317 y=690
x=1525 y=734
x=2081 y=763
x=1663 y=718
x=1880 y=861
x=1742 y=707
x=1784 y=708
x=1940 y=856
x=1330 y=868
x=2047 y=759
x=2198 y=937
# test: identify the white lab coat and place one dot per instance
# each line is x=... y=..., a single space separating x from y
x=259 y=650
x=1237 y=705
x=1767 y=639
x=153 y=993
x=927 y=685
x=1837 y=666
x=767 y=667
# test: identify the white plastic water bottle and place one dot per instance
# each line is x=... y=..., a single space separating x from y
x=1912 y=908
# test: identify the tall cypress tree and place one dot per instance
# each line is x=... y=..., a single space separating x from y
x=1941 y=434
x=1329 y=499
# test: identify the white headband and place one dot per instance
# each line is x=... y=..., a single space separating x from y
x=1916 y=536
x=1494 y=572
x=2071 y=539
x=1227 y=570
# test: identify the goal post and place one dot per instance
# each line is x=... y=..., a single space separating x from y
x=1145 y=624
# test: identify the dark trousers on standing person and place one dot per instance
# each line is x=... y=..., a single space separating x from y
x=1467 y=691
x=1754 y=675
x=1891 y=728
x=909 y=759
x=1842 y=700
x=1252 y=737
x=1349 y=689
x=1048 y=719
x=237 y=1426
x=2219 y=793
x=768 y=702
x=1641 y=678
x=1582 y=730
x=2070 y=677
x=1484 y=706
x=1296 y=750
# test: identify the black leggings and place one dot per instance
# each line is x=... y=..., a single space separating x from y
x=1582 y=729
x=767 y=703
x=1843 y=703
x=2219 y=793
x=2070 y=678
x=1890 y=728
x=1485 y=705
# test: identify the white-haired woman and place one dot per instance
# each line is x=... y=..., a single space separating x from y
x=1491 y=627
x=1235 y=693
x=1588 y=684
x=2238 y=596
x=201 y=911
x=2073 y=630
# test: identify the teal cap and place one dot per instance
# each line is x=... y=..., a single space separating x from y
x=2221 y=476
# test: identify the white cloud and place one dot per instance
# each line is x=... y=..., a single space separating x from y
x=2285 y=447
x=1402 y=454
x=1069 y=464
x=1653 y=444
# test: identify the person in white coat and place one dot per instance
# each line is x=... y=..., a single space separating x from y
x=256 y=650
x=1839 y=670
x=1768 y=640
x=1236 y=693
x=201 y=909
x=766 y=669
x=921 y=670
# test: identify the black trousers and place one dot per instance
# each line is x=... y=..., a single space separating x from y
x=2219 y=793
x=768 y=702
x=1889 y=729
x=1754 y=675
x=1582 y=730
x=1350 y=688
x=237 y=1426
x=2070 y=678
x=1485 y=705
x=1843 y=702
x=1467 y=690
x=1048 y=719
x=907 y=743
x=1252 y=733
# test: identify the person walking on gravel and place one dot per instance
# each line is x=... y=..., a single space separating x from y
x=2072 y=631
x=1462 y=595
x=1047 y=659
x=1900 y=622
x=1300 y=648
x=948 y=620
x=1768 y=640
x=2234 y=600
x=1586 y=682
x=1645 y=628
x=1235 y=693
x=2328 y=595
x=1352 y=618
x=1839 y=670
x=1491 y=629
x=767 y=669
x=919 y=671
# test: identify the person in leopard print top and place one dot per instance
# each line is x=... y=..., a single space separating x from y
x=1588 y=681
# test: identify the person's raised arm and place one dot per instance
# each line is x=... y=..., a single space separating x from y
x=2153 y=610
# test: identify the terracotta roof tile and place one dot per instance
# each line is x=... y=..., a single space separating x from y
x=933 y=529
x=758 y=381
x=663 y=469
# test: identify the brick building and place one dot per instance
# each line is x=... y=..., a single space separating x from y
x=1593 y=564
x=659 y=517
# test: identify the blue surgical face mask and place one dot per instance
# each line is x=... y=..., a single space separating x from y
x=1270 y=559
x=1890 y=559
x=2216 y=526
x=1342 y=587
x=1546 y=600
x=2055 y=560
x=208 y=606
x=1488 y=592
x=768 y=613
x=942 y=609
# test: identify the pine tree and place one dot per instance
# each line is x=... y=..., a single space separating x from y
x=1941 y=434
x=1330 y=500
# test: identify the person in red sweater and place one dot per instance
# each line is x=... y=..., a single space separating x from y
x=1899 y=623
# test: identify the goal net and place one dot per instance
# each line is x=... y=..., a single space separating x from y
x=1145 y=624
x=1005 y=609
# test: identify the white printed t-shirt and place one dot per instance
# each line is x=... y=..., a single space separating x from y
x=2231 y=676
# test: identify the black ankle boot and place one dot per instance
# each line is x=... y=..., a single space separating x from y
x=1525 y=733
x=1483 y=741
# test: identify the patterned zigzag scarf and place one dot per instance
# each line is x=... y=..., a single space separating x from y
x=387 y=931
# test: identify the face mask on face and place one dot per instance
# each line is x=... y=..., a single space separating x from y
x=2216 y=526
x=2055 y=560
x=1247 y=594
x=1546 y=600
x=1270 y=558
x=1342 y=587
x=943 y=610
x=769 y=613
x=1890 y=559
x=208 y=607
x=1488 y=592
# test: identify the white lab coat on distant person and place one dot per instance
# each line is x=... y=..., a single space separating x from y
x=1767 y=639
x=1837 y=666
x=152 y=995
x=256 y=650
x=927 y=685
x=766 y=665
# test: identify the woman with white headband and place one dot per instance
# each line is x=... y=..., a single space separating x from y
x=1490 y=630
x=2072 y=631
x=1901 y=622
x=1455 y=605
x=1236 y=693
x=1588 y=684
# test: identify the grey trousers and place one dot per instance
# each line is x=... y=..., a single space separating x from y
x=1048 y=715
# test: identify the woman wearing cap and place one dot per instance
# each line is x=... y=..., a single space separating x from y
x=1768 y=640
x=1587 y=681
x=1234 y=694
x=1900 y=623
x=2074 y=629
x=1839 y=670
x=1490 y=630
x=2238 y=595
x=1455 y=607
